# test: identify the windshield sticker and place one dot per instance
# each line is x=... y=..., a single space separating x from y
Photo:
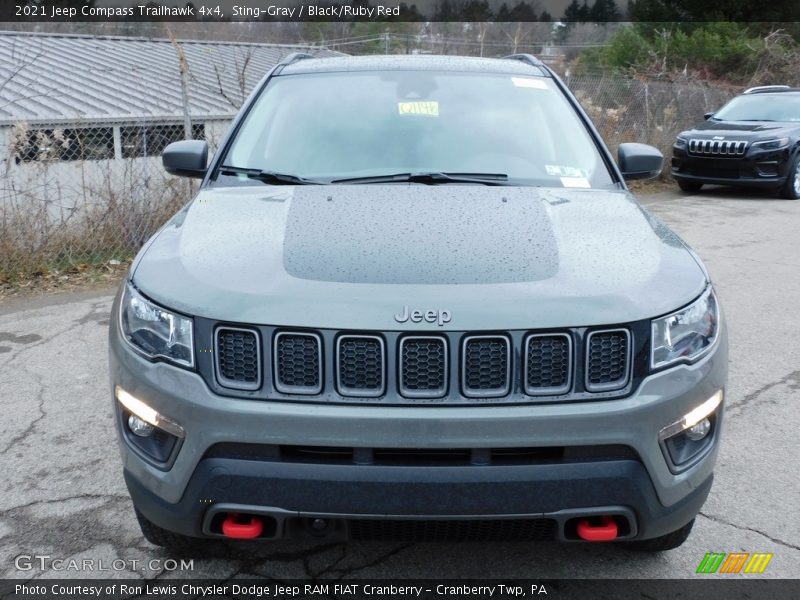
x=529 y=82
x=575 y=182
x=560 y=171
x=428 y=108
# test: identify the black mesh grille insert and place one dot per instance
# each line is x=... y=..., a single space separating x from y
x=238 y=358
x=298 y=363
x=402 y=530
x=548 y=364
x=607 y=357
x=486 y=366
x=360 y=368
x=423 y=367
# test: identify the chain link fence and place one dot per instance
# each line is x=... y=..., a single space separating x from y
x=84 y=193
x=650 y=112
x=78 y=194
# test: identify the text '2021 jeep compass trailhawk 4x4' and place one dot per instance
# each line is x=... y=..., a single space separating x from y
x=414 y=299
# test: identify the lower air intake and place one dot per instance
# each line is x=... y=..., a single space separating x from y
x=487 y=530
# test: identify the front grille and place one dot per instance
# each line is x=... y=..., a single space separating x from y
x=548 y=364
x=238 y=358
x=441 y=368
x=607 y=360
x=455 y=530
x=486 y=369
x=360 y=365
x=721 y=148
x=297 y=363
x=423 y=367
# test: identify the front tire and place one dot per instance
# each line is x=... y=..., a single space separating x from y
x=666 y=542
x=689 y=186
x=791 y=189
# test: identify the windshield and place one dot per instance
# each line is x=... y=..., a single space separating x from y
x=349 y=125
x=761 y=107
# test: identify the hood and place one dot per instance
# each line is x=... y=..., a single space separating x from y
x=354 y=256
x=742 y=129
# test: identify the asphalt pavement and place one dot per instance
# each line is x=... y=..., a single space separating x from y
x=62 y=493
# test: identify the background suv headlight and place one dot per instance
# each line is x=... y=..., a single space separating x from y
x=687 y=334
x=154 y=331
x=772 y=144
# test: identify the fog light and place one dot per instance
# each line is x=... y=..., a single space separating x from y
x=693 y=417
x=699 y=431
x=147 y=414
x=140 y=427
x=686 y=440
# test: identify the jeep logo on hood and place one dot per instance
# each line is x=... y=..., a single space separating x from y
x=440 y=317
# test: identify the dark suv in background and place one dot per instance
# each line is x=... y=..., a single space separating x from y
x=753 y=141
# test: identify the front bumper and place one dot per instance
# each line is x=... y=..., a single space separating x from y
x=765 y=169
x=180 y=497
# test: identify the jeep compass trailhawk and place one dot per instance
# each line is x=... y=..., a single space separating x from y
x=414 y=298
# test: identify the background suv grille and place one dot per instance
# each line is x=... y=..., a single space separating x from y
x=548 y=364
x=238 y=358
x=723 y=148
x=297 y=363
x=608 y=360
x=486 y=365
x=423 y=367
x=360 y=365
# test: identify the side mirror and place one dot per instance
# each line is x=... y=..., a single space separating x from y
x=707 y=116
x=187 y=158
x=639 y=161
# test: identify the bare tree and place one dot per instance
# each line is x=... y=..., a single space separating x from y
x=183 y=65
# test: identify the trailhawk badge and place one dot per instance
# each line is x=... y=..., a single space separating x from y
x=440 y=317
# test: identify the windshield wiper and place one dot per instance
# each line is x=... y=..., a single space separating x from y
x=431 y=178
x=270 y=177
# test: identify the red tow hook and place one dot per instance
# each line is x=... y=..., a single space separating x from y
x=235 y=526
x=605 y=531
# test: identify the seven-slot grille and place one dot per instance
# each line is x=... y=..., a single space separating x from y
x=548 y=364
x=238 y=358
x=423 y=367
x=486 y=366
x=542 y=364
x=607 y=360
x=297 y=363
x=360 y=367
x=724 y=148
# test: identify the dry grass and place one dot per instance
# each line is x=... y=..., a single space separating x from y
x=81 y=277
x=61 y=220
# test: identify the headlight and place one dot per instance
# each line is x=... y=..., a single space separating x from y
x=154 y=331
x=681 y=140
x=772 y=144
x=687 y=334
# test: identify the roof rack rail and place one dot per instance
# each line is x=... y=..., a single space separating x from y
x=766 y=88
x=294 y=57
x=526 y=58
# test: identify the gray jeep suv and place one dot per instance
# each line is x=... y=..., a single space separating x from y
x=414 y=298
